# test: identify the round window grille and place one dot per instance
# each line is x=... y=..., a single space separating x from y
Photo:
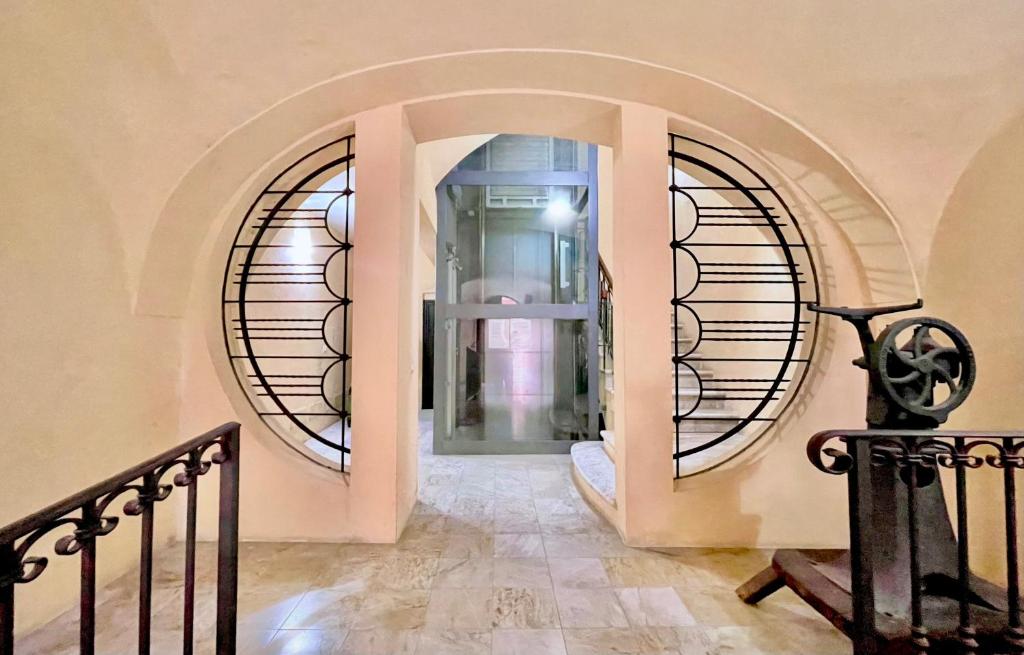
x=742 y=336
x=286 y=303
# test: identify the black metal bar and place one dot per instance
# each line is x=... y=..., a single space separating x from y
x=188 y=639
x=9 y=570
x=344 y=314
x=227 y=545
x=146 y=497
x=861 y=548
x=87 y=594
x=965 y=631
x=918 y=632
x=676 y=357
x=1014 y=632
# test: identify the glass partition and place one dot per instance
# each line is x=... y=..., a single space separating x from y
x=516 y=298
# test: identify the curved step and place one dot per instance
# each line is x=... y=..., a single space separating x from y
x=608 y=440
x=594 y=470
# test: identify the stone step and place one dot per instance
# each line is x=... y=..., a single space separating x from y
x=708 y=420
x=593 y=468
x=609 y=442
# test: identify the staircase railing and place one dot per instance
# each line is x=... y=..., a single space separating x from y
x=86 y=515
x=913 y=589
x=605 y=307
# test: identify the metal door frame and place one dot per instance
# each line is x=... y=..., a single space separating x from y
x=445 y=309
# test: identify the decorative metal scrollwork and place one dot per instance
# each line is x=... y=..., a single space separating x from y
x=94 y=521
x=743 y=276
x=286 y=303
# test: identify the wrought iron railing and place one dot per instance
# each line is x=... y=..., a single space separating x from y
x=925 y=599
x=606 y=342
x=286 y=303
x=743 y=276
x=88 y=516
x=606 y=305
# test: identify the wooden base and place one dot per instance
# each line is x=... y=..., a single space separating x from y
x=759 y=587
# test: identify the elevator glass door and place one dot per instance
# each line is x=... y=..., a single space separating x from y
x=515 y=336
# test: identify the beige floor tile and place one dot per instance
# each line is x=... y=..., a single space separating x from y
x=464 y=573
x=392 y=610
x=454 y=642
x=644 y=571
x=675 y=641
x=257 y=609
x=462 y=546
x=515 y=522
x=296 y=642
x=522 y=572
x=518 y=545
x=788 y=639
x=573 y=545
x=517 y=607
x=325 y=609
x=404 y=573
x=654 y=606
x=601 y=641
x=380 y=642
x=528 y=642
x=578 y=572
x=459 y=609
x=590 y=608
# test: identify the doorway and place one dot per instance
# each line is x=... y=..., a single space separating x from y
x=515 y=339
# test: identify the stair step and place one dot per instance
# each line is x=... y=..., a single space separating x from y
x=609 y=442
x=708 y=420
x=594 y=468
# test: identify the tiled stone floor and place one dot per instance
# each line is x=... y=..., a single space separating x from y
x=501 y=557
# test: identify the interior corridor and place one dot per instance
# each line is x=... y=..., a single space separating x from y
x=501 y=556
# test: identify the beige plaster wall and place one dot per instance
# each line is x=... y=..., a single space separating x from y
x=975 y=282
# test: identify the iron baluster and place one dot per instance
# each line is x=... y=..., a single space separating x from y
x=227 y=542
x=861 y=550
x=965 y=630
x=919 y=636
x=87 y=598
x=146 y=499
x=188 y=619
x=1010 y=462
x=10 y=571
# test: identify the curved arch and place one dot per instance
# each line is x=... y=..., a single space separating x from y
x=591 y=84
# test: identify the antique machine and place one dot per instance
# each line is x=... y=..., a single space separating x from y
x=905 y=584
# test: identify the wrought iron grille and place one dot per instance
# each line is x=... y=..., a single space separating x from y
x=84 y=518
x=287 y=306
x=740 y=330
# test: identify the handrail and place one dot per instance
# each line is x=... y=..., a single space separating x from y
x=605 y=273
x=144 y=487
x=921 y=543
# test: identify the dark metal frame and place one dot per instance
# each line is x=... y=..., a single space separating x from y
x=766 y=208
x=242 y=329
x=446 y=309
x=605 y=323
x=145 y=482
x=918 y=455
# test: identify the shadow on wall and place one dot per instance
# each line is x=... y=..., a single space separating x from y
x=975 y=281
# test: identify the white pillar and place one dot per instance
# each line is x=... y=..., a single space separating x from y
x=384 y=337
x=642 y=270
